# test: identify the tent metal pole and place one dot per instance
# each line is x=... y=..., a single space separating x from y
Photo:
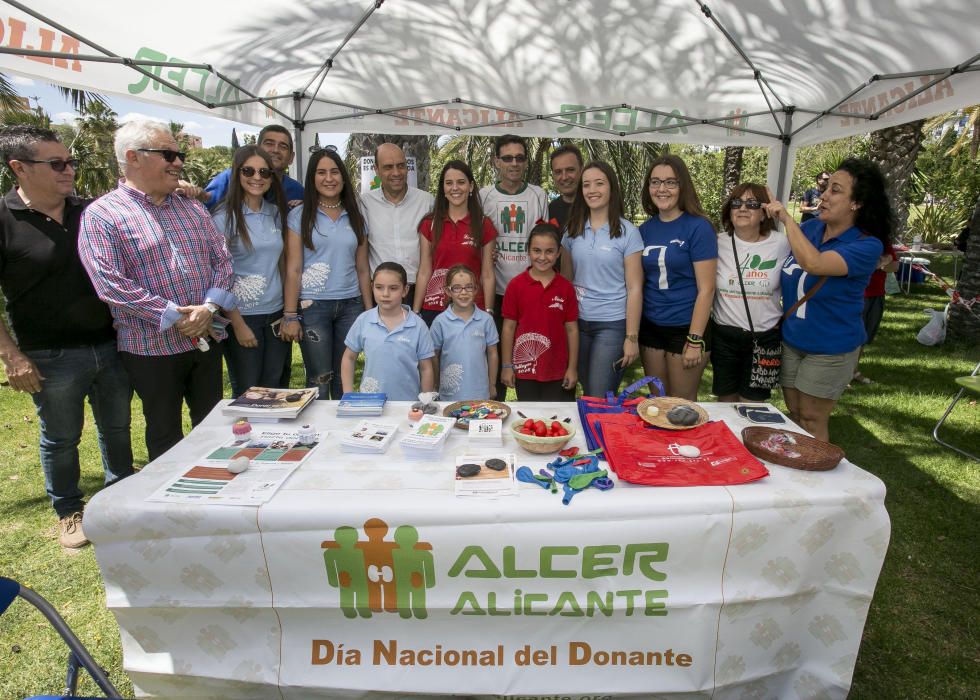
x=328 y=64
x=298 y=135
x=784 y=153
x=92 y=58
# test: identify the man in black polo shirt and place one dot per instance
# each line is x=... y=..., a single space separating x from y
x=65 y=346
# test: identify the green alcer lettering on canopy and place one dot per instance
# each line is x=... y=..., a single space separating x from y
x=195 y=81
x=622 y=119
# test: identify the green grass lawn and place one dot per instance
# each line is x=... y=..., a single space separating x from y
x=921 y=639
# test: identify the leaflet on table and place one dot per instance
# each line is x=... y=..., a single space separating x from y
x=208 y=485
x=356 y=403
x=369 y=436
x=265 y=446
x=485 y=475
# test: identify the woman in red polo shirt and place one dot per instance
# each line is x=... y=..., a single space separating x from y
x=455 y=233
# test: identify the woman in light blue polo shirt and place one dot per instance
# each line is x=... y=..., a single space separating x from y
x=253 y=227
x=327 y=279
x=839 y=250
x=602 y=259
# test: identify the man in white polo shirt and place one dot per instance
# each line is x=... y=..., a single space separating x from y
x=393 y=213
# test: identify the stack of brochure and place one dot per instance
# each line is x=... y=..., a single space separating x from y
x=487 y=432
x=369 y=437
x=355 y=403
x=261 y=404
x=427 y=437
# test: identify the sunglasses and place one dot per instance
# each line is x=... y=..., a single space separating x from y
x=319 y=149
x=749 y=204
x=670 y=183
x=457 y=288
x=166 y=153
x=249 y=171
x=57 y=164
x=513 y=159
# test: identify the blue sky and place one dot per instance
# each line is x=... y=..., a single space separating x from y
x=214 y=131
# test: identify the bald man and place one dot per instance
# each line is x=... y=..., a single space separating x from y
x=393 y=213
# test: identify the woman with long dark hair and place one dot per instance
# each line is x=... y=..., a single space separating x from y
x=455 y=233
x=747 y=304
x=823 y=283
x=327 y=280
x=602 y=260
x=253 y=227
x=679 y=254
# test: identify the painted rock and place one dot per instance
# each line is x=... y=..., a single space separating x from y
x=467 y=470
x=683 y=415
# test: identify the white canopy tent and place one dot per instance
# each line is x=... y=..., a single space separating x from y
x=750 y=73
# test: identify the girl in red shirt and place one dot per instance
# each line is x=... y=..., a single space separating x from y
x=455 y=233
x=539 y=342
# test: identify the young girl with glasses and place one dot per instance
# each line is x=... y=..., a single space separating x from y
x=396 y=344
x=680 y=250
x=465 y=339
x=253 y=227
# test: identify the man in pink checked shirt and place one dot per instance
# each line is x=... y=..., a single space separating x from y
x=164 y=270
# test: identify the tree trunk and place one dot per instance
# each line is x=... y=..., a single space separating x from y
x=964 y=323
x=895 y=149
x=733 y=169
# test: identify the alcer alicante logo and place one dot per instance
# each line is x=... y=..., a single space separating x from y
x=373 y=574
x=376 y=575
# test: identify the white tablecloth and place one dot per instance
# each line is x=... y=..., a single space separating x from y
x=752 y=591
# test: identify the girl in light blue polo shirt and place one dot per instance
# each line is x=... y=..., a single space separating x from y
x=602 y=260
x=395 y=341
x=327 y=279
x=253 y=228
x=466 y=339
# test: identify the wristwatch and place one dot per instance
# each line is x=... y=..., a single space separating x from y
x=212 y=307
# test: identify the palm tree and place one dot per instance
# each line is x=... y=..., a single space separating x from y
x=96 y=128
x=964 y=322
x=969 y=136
x=732 y=173
x=34 y=117
x=895 y=149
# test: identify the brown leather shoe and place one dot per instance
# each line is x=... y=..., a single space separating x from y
x=70 y=533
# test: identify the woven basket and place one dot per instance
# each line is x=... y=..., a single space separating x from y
x=541 y=445
x=502 y=409
x=815 y=455
x=665 y=403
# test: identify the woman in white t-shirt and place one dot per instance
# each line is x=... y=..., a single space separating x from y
x=750 y=247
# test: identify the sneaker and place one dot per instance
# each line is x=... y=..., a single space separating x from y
x=70 y=534
x=860 y=379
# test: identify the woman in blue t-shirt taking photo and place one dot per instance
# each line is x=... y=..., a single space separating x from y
x=679 y=258
x=253 y=228
x=601 y=257
x=823 y=283
x=327 y=280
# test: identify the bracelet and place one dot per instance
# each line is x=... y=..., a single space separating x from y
x=699 y=346
x=507 y=366
x=289 y=318
x=632 y=337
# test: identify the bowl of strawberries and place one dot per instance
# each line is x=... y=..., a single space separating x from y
x=542 y=436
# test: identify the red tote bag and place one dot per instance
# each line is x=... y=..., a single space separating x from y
x=642 y=454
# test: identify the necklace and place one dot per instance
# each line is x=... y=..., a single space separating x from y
x=322 y=205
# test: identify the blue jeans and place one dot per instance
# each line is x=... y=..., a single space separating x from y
x=600 y=345
x=71 y=374
x=325 y=326
x=258 y=366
